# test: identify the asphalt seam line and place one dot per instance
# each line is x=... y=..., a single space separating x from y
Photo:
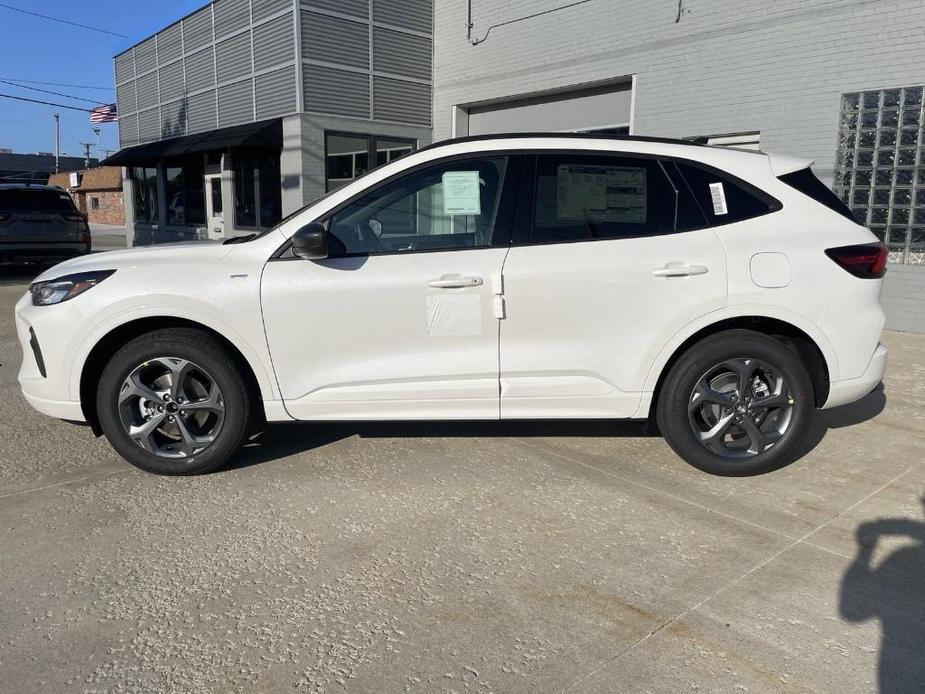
x=64 y=483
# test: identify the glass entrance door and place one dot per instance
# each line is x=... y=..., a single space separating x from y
x=215 y=215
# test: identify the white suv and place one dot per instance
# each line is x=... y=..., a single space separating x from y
x=726 y=294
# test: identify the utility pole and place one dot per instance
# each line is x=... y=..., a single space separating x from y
x=99 y=153
x=86 y=146
x=57 y=141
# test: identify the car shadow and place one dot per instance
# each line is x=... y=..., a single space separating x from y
x=280 y=440
x=890 y=591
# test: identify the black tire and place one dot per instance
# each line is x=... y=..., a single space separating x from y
x=201 y=349
x=677 y=395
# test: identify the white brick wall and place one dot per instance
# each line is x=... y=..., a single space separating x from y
x=727 y=66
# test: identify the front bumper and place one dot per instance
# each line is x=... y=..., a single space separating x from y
x=852 y=389
x=39 y=333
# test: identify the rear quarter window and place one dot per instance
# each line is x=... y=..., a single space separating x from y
x=806 y=182
x=26 y=200
x=719 y=197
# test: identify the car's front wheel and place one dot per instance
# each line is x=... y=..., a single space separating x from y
x=737 y=403
x=174 y=402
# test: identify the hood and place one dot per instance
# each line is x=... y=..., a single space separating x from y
x=160 y=254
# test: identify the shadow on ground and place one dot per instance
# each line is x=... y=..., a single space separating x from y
x=891 y=592
x=281 y=440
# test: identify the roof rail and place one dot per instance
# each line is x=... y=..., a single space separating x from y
x=584 y=135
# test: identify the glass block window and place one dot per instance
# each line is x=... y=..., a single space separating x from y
x=880 y=166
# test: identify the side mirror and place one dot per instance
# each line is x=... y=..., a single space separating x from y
x=311 y=242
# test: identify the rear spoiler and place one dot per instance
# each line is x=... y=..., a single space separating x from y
x=782 y=165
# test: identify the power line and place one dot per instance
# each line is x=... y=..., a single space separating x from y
x=48 y=91
x=47 y=103
x=58 y=84
x=62 y=21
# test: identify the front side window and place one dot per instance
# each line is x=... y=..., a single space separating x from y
x=447 y=206
x=582 y=197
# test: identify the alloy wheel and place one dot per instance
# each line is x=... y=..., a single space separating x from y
x=171 y=407
x=740 y=408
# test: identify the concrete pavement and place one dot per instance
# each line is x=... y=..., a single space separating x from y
x=543 y=557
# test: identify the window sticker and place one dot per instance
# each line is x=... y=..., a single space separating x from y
x=461 y=193
x=718 y=194
x=601 y=193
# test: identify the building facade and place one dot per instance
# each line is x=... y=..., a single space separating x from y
x=246 y=110
x=836 y=81
x=96 y=192
x=36 y=168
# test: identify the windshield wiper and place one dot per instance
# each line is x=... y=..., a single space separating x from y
x=239 y=239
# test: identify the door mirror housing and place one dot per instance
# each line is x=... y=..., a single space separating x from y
x=311 y=242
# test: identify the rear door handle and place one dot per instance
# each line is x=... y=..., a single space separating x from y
x=455 y=282
x=680 y=270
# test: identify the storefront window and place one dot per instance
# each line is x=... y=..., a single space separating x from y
x=144 y=179
x=185 y=192
x=348 y=156
x=257 y=188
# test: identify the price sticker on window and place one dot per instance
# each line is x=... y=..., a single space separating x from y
x=461 y=193
x=718 y=194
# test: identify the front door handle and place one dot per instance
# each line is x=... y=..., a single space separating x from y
x=680 y=270
x=455 y=282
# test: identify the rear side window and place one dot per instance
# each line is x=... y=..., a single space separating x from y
x=583 y=197
x=35 y=200
x=806 y=182
x=720 y=199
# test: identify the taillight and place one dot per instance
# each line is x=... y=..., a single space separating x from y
x=74 y=217
x=4 y=217
x=867 y=261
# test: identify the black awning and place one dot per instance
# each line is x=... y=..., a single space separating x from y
x=265 y=134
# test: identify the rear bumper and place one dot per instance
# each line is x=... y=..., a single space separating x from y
x=40 y=252
x=852 y=389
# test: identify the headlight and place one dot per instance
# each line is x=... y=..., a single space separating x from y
x=67 y=287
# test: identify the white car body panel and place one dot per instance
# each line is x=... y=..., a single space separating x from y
x=586 y=331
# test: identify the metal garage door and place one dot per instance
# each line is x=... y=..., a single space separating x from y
x=601 y=108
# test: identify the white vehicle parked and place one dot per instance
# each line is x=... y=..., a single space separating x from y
x=726 y=294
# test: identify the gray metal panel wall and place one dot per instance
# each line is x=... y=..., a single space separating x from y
x=170 y=79
x=128 y=130
x=408 y=14
x=233 y=58
x=200 y=70
x=173 y=119
x=125 y=98
x=357 y=8
x=145 y=56
x=125 y=66
x=261 y=9
x=335 y=40
x=236 y=103
x=230 y=16
x=200 y=112
x=276 y=93
x=327 y=90
x=274 y=43
x=197 y=29
x=146 y=87
x=401 y=54
x=149 y=125
x=169 y=44
x=405 y=102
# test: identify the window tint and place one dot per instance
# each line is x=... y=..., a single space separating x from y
x=720 y=199
x=442 y=207
x=26 y=200
x=806 y=182
x=589 y=197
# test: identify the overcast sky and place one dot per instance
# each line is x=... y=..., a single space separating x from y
x=46 y=51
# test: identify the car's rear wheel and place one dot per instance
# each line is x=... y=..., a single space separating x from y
x=174 y=402
x=737 y=403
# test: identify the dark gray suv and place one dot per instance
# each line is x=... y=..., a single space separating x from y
x=40 y=223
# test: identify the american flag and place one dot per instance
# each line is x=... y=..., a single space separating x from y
x=104 y=114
